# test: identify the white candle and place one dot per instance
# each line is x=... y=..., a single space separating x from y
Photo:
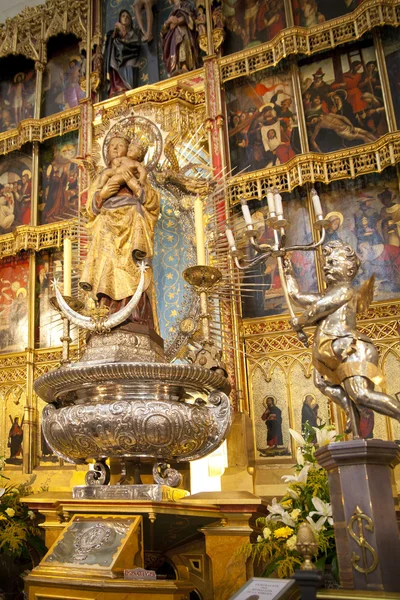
x=246 y=212
x=230 y=238
x=67 y=267
x=317 y=203
x=270 y=200
x=278 y=203
x=199 y=227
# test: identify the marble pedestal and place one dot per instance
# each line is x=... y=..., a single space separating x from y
x=363 y=508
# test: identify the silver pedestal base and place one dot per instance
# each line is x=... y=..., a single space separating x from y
x=152 y=492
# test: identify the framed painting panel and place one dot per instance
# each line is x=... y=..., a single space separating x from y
x=12 y=439
x=308 y=13
x=14 y=276
x=15 y=190
x=17 y=91
x=271 y=409
x=365 y=213
x=48 y=325
x=342 y=99
x=61 y=89
x=58 y=182
x=262 y=122
x=249 y=23
x=391 y=48
x=261 y=289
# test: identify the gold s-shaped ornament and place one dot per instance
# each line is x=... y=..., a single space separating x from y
x=359 y=517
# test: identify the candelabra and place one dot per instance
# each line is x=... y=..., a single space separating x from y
x=278 y=249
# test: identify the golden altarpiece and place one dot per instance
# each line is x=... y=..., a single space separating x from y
x=295 y=96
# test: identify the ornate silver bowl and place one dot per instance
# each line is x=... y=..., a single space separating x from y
x=102 y=409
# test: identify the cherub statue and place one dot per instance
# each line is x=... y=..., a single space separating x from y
x=345 y=360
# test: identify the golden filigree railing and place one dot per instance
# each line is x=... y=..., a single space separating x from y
x=28 y=237
x=28 y=32
x=273 y=335
x=311 y=167
x=299 y=40
x=39 y=130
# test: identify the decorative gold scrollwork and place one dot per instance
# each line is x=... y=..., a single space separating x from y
x=359 y=518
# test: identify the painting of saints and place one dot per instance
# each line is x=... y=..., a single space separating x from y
x=13 y=303
x=309 y=411
x=263 y=128
x=251 y=22
x=343 y=100
x=15 y=191
x=15 y=437
x=61 y=89
x=308 y=13
x=391 y=46
x=272 y=417
x=17 y=92
x=367 y=216
x=262 y=290
x=59 y=191
x=367 y=422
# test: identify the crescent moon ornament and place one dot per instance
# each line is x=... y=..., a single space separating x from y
x=101 y=324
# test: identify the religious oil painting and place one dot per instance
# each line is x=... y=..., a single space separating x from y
x=365 y=213
x=58 y=182
x=343 y=101
x=270 y=410
x=15 y=190
x=48 y=325
x=61 y=82
x=249 y=23
x=14 y=274
x=262 y=122
x=261 y=290
x=308 y=13
x=391 y=47
x=17 y=91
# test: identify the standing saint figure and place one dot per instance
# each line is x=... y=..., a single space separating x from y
x=121 y=56
x=123 y=209
x=272 y=416
x=15 y=436
x=179 y=40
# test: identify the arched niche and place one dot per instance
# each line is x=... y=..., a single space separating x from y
x=61 y=88
x=17 y=90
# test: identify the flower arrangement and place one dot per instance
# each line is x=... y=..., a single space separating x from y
x=21 y=544
x=306 y=500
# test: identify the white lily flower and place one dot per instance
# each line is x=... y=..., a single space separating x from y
x=2 y=492
x=318 y=526
x=300 y=478
x=324 y=436
x=292 y=493
x=323 y=509
x=297 y=437
x=299 y=457
x=278 y=513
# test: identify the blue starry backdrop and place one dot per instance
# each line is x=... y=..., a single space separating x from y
x=174 y=251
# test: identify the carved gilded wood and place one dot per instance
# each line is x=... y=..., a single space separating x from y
x=301 y=41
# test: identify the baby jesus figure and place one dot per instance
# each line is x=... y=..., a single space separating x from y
x=120 y=166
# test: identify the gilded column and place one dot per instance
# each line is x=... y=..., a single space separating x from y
x=215 y=125
x=30 y=413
